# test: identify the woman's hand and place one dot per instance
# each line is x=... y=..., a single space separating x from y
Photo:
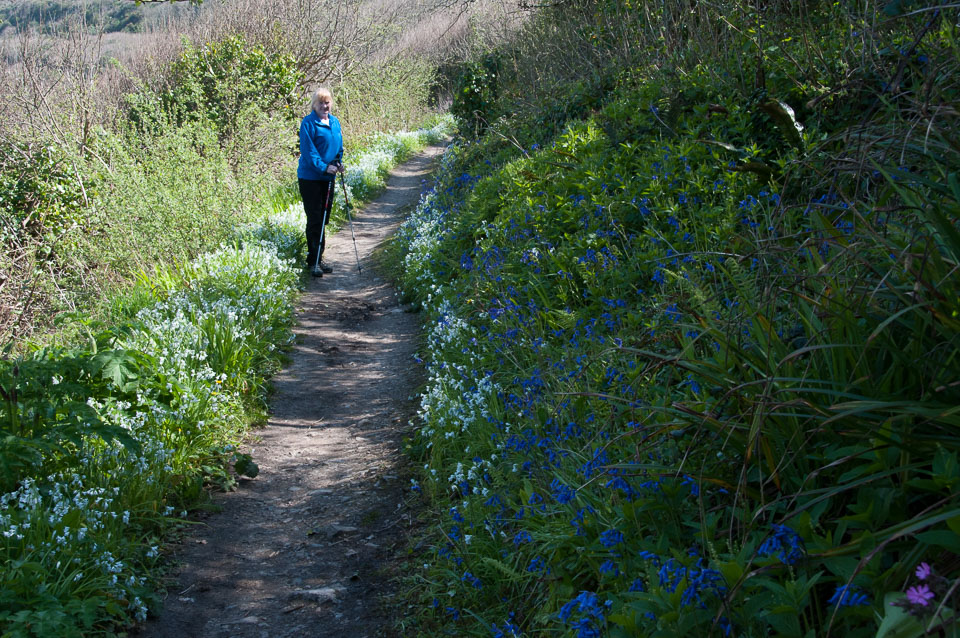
x=332 y=169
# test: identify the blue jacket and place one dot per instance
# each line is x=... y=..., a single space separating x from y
x=320 y=145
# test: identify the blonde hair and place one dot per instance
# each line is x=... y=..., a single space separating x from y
x=322 y=92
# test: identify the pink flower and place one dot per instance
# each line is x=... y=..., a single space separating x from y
x=923 y=571
x=920 y=595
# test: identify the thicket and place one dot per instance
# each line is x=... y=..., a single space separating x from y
x=692 y=307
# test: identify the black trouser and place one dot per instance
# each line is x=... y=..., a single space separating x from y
x=317 y=195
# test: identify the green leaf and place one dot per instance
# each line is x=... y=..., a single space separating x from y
x=954 y=182
x=785 y=119
x=897 y=623
x=945 y=464
x=941 y=538
x=117 y=366
x=732 y=571
x=761 y=170
x=954 y=524
x=620 y=631
x=245 y=466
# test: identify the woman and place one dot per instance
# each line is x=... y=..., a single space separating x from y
x=321 y=149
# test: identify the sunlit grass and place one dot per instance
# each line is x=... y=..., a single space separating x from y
x=108 y=446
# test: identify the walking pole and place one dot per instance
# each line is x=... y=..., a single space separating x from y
x=323 y=227
x=346 y=201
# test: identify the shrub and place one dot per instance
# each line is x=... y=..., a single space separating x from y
x=475 y=94
x=215 y=84
x=41 y=190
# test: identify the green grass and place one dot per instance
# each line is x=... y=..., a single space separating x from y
x=109 y=445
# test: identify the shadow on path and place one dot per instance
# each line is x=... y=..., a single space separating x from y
x=299 y=551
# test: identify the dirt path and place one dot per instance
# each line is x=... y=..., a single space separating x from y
x=303 y=549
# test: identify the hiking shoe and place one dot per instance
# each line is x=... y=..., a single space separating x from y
x=325 y=268
x=316 y=271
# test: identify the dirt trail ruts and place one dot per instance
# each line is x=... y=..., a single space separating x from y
x=301 y=550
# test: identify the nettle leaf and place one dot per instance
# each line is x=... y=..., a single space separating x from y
x=946 y=464
x=119 y=367
x=786 y=120
x=20 y=457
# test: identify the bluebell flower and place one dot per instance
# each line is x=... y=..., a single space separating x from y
x=562 y=493
x=510 y=630
x=726 y=627
x=536 y=564
x=688 y=480
x=609 y=566
x=649 y=556
x=473 y=580
x=848 y=596
x=611 y=538
x=785 y=543
x=620 y=483
x=586 y=628
x=522 y=537
x=599 y=459
x=585 y=603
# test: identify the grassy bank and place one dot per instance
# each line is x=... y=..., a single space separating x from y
x=692 y=333
x=108 y=446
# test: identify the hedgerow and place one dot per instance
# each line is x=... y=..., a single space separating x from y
x=679 y=381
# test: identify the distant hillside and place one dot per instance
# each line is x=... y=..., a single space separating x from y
x=110 y=16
